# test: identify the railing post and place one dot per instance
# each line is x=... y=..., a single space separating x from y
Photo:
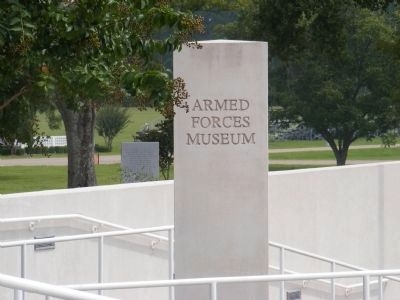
x=366 y=287
x=21 y=294
x=17 y=295
x=23 y=259
x=213 y=289
x=100 y=262
x=380 y=288
x=171 y=262
x=333 y=288
x=282 y=271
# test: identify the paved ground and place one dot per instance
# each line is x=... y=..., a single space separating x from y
x=54 y=161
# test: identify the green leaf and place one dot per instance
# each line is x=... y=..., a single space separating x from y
x=14 y=21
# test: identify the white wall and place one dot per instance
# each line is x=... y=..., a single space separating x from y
x=348 y=213
x=134 y=205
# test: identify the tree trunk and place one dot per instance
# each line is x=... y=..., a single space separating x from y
x=340 y=151
x=79 y=128
x=341 y=157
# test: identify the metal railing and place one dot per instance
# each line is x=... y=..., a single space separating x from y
x=213 y=282
x=100 y=236
x=118 y=230
x=333 y=264
x=48 y=290
x=38 y=219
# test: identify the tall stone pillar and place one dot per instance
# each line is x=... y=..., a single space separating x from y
x=221 y=152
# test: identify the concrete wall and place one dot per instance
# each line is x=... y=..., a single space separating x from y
x=348 y=213
x=129 y=258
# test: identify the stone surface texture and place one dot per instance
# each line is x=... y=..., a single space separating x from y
x=140 y=161
x=221 y=223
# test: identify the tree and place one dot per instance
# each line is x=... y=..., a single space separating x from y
x=328 y=68
x=344 y=94
x=18 y=121
x=89 y=53
x=293 y=26
x=16 y=57
x=110 y=121
x=231 y=19
x=19 y=74
x=164 y=135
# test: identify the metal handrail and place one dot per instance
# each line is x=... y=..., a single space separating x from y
x=345 y=287
x=122 y=230
x=316 y=256
x=19 y=284
x=84 y=236
x=74 y=216
x=333 y=264
x=214 y=281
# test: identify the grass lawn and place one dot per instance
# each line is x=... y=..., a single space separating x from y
x=36 y=178
x=277 y=167
x=317 y=143
x=354 y=154
x=138 y=118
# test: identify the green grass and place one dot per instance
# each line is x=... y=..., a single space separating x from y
x=317 y=143
x=36 y=178
x=295 y=144
x=278 y=167
x=354 y=154
x=137 y=121
x=24 y=179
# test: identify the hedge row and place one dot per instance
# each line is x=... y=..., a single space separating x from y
x=6 y=150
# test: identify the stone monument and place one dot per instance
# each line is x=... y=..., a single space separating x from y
x=221 y=152
x=140 y=161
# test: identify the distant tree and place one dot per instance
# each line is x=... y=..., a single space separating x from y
x=228 y=19
x=293 y=26
x=328 y=66
x=389 y=138
x=110 y=121
x=18 y=124
x=164 y=135
x=346 y=94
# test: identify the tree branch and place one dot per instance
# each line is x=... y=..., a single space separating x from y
x=22 y=91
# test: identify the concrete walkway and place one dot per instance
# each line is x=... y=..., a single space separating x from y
x=54 y=161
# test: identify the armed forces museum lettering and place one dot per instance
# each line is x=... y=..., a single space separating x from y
x=216 y=116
